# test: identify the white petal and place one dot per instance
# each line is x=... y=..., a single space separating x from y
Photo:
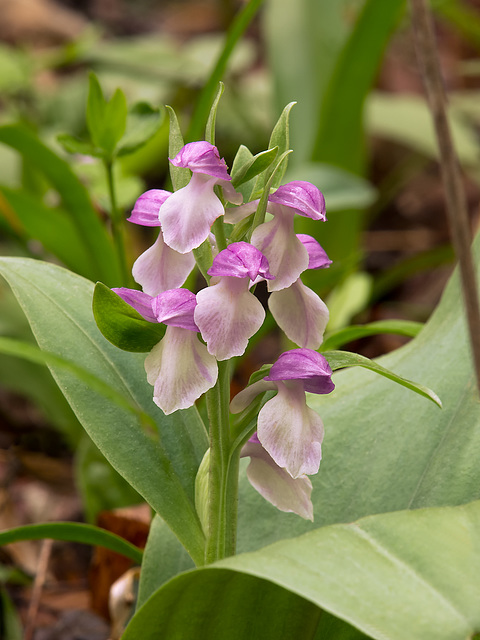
x=290 y=431
x=300 y=313
x=286 y=255
x=227 y=315
x=276 y=485
x=236 y=214
x=160 y=268
x=187 y=215
x=248 y=395
x=181 y=370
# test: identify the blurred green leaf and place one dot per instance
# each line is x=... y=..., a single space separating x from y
x=340 y=135
x=75 y=145
x=73 y=532
x=143 y=122
x=121 y=324
x=354 y=332
x=15 y=69
x=343 y=359
x=406 y=119
x=106 y=121
x=103 y=261
x=241 y=21
x=10 y=624
x=54 y=228
x=342 y=189
x=162 y=469
x=348 y=298
x=316 y=31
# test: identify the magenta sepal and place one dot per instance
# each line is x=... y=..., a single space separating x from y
x=240 y=260
x=147 y=206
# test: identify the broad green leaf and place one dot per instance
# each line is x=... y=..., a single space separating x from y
x=101 y=487
x=76 y=202
x=163 y=559
x=340 y=135
x=214 y=604
x=385 y=448
x=73 y=532
x=342 y=359
x=58 y=303
x=143 y=122
x=32 y=353
x=407 y=328
x=411 y=574
x=121 y=324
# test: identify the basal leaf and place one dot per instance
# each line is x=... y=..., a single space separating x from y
x=162 y=469
x=410 y=574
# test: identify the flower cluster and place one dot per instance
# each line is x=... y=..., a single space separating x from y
x=216 y=323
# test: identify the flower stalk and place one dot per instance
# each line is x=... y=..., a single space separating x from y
x=223 y=473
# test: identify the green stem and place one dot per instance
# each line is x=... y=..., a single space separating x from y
x=117 y=225
x=223 y=473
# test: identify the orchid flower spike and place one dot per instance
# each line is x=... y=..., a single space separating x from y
x=187 y=215
x=227 y=313
x=276 y=239
x=300 y=312
x=287 y=428
x=274 y=483
x=179 y=367
x=159 y=268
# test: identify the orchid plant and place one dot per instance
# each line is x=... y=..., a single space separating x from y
x=222 y=234
x=225 y=266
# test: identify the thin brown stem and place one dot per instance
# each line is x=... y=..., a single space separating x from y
x=456 y=204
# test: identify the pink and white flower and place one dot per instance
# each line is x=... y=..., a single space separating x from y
x=227 y=313
x=179 y=367
x=274 y=483
x=276 y=238
x=188 y=214
x=287 y=428
x=300 y=312
x=159 y=268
